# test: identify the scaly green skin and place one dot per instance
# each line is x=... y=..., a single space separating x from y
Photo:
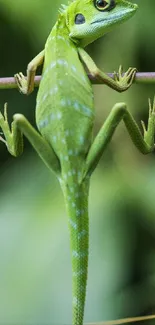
x=63 y=74
x=65 y=118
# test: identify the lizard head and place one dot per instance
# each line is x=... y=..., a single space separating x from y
x=88 y=20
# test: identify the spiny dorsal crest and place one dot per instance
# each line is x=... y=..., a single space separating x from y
x=63 y=7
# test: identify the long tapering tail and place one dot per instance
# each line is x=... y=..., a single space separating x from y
x=77 y=208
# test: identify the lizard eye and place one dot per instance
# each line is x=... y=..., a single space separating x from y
x=101 y=4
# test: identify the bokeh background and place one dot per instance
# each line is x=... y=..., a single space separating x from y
x=35 y=269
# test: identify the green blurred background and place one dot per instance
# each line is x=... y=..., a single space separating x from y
x=35 y=269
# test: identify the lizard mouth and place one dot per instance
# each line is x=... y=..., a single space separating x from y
x=111 y=19
x=115 y=18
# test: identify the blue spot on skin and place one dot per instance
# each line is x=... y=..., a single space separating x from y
x=67 y=133
x=55 y=89
x=63 y=102
x=78 y=213
x=84 y=78
x=82 y=139
x=52 y=117
x=79 y=273
x=62 y=62
x=76 y=106
x=63 y=141
x=75 y=254
x=53 y=64
x=82 y=234
x=61 y=37
x=73 y=224
x=73 y=68
x=51 y=91
x=76 y=152
x=78 y=255
x=76 y=302
x=38 y=102
x=59 y=115
x=54 y=138
x=86 y=110
x=70 y=152
x=69 y=102
x=82 y=288
x=44 y=97
x=43 y=123
x=60 y=82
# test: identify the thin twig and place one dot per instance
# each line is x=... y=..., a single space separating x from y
x=141 y=78
x=124 y=320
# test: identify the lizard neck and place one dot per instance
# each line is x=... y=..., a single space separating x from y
x=76 y=198
x=60 y=35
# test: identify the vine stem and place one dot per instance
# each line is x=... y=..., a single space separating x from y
x=141 y=78
x=124 y=320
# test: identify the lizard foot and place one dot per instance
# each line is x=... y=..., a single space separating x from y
x=125 y=80
x=21 y=82
x=149 y=131
x=12 y=135
x=4 y=125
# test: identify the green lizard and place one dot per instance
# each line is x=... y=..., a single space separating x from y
x=65 y=117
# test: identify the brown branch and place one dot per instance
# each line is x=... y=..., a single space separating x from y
x=141 y=78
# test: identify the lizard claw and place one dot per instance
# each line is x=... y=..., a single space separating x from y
x=21 y=82
x=125 y=80
x=120 y=70
x=143 y=127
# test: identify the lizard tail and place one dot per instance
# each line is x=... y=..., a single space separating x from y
x=77 y=207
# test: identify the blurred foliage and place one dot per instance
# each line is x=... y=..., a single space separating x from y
x=35 y=270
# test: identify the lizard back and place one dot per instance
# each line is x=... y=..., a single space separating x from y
x=65 y=108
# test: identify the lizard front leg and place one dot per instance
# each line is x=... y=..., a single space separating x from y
x=120 y=82
x=26 y=85
x=14 y=139
x=119 y=112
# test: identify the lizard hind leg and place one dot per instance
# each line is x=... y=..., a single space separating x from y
x=13 y=136
x=14 y=139
x=145 y=144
